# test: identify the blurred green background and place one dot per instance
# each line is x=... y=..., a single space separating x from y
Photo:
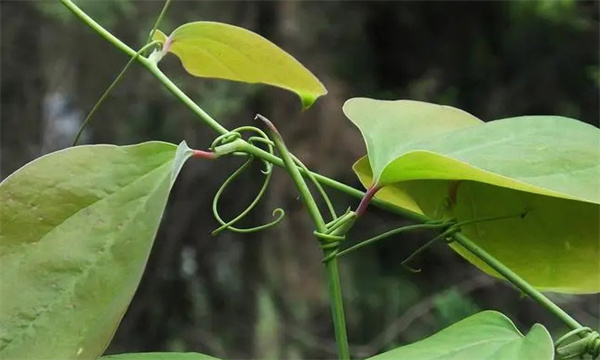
x=263 y=296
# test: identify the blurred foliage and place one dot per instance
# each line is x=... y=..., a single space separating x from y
x=263 y=295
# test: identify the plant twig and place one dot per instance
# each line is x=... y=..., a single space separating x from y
x=208 y=120
x=109 y=90
x=333 y=276
x=516 y=280
x=432 y=225
x=158 y=20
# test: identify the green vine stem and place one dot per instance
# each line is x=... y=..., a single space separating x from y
x=158 y=20
x=110 y=89
x=208 y=120
x=516 y=280
x=431 y=225
x=333 y=275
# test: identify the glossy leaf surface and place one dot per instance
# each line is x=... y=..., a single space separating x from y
x=548 y=155
x=76 y=228
x=159 y=356
x=555 y=246
x=217 y=50
x=488 y=335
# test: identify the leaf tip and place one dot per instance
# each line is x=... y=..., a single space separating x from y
x=182 y=153
x=308 y=99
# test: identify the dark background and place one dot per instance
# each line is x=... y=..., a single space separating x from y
x=263 y=295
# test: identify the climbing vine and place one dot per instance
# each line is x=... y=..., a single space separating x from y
x=77 y=225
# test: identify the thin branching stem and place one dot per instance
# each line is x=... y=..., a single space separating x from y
x=158 y=20
x=333 y=275
x=208 y=120
x=433 y=225
x=515 y=279
x=109 y=90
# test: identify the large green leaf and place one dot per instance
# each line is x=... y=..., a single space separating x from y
x=488 y=335
x=406 y=121
x=555 y=245
x=76 y=228
x=217 y=50
x=159 y=356
x=548 y=155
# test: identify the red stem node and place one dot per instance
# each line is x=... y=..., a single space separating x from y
x=362 y=207
x=204 y=155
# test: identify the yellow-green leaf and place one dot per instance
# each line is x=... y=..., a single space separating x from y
x=217 y=50
x=554 y=247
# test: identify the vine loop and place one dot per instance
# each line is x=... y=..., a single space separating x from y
x=335 y=234
x=588 y=344
x=226 y=144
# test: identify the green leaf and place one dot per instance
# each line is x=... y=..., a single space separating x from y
x=554 y=247
x=488 y=335
x=76 y=228
x=506 y=167
x=217 y=50
x=159 y=356
x=548 y=155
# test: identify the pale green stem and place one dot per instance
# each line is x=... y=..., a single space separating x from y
x=249 y=148
x=158 y=20
x=109 y=90
x=148 y=64
x=393 y=232
x=516 y=280
x=333 y=275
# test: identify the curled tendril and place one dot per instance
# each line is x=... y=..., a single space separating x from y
x=588 y=344
x=335 y=234
x=268 y=171
x=225 y=139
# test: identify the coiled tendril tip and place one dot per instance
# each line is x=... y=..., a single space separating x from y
x=226 y=144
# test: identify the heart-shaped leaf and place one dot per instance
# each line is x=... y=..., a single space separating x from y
x=488 y=335
x=159 y=356
x=217 y=50
x=502 y=168
x=548 y=155
x=76 y=228
x=406 y=121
